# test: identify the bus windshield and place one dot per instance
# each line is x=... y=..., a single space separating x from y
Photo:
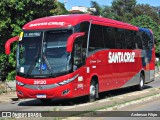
x=43 y=53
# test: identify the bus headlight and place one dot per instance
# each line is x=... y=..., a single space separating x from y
x=20 y=83
x=68 y=81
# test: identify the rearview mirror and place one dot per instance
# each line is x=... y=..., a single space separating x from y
x=71 y=40
x=8 y=44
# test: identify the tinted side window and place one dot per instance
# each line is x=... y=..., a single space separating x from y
x=151 y=43
x=119 y=38
x=78 y=55
x=138 y=40
x=109 y=38
x=130 y=39
x=83 y=27
x=145 y=40
x=113 y=38
x=96 y=38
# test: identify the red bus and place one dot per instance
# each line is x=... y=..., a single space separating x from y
x=69 y=56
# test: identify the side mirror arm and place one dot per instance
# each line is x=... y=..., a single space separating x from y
x=71 y=40
x=8 y=44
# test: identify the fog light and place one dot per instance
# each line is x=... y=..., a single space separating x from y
x=65 y=92
x=19 y=92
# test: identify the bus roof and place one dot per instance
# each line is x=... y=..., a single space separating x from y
x=63 y=21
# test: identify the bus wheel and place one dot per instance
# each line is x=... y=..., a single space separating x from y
x=141 y=82
x=93 y=91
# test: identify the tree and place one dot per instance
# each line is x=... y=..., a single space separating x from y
x=15 y=13
x=145 y=21
x=145 y=9
x=107 y=12
x=123 y=9
x=97 y=8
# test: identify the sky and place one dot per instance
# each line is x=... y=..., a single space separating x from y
x=86 y=3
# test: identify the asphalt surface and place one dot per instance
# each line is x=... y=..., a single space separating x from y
x=148 y=107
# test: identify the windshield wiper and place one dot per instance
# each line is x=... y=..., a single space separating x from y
x=48 y=65
x=32 y=66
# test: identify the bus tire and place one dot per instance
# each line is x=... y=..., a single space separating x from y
x=93 y=90
x=141 y=82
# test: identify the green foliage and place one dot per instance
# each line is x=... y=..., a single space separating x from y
x=14 y=14
x=123 y=8
x=145 y=9
x=97 y=8
x=3 y=64
x=12 y=57
x=145 y=21
x=11 y=75
x=107 y=12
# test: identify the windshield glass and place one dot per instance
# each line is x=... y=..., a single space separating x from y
x=43 y=53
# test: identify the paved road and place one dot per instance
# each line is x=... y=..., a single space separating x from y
x=153 y=105
x=36 y=105
x=149 y=107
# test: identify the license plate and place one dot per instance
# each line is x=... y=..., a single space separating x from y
x=41 y=96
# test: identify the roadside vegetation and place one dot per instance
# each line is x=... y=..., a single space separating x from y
x=15 y=13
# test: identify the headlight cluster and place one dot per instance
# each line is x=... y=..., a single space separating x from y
x=19 y=83
x=69 y=80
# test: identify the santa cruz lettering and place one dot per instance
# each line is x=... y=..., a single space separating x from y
x=121 y=57
x=47 y=23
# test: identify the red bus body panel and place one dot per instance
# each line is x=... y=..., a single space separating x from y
x=63 y=21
